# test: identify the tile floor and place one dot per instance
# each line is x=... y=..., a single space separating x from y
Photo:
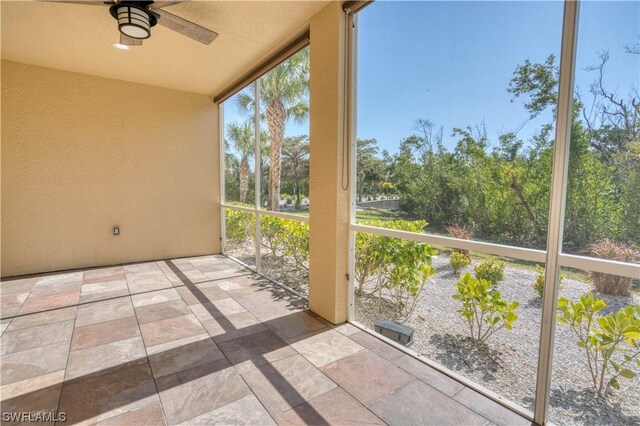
x=203 y=341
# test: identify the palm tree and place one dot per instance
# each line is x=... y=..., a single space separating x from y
x=283 y=95
x=241 y=136
x=295 y=151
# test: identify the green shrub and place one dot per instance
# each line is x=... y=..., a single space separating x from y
x=296 y=245
x=611 y=342
x=459 y=261
x=240 y=226
x=612 y=284
x=407 y=266
x=538 y=285
x=272 y=232
x=369 y=257
x=491 y=270
x=287 y=239
x=483 y=309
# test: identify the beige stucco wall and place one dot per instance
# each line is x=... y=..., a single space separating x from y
x=81 y=154
x=329 y=212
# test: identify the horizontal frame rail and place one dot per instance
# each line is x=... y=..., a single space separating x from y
x=606 y=266
x=613 y=267
x=531 y=255
x=267 y=213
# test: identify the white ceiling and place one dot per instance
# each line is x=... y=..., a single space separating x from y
x=76 y=37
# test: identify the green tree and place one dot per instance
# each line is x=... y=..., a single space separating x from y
x=295 y=165
x=241 y=137
x=283 y=95
x=370 y=169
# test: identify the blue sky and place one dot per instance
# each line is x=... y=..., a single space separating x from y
x=451 y=62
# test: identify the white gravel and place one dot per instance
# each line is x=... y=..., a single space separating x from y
x=507 y=364
x=275 y=268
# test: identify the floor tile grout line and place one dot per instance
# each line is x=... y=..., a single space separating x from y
x=66 y=369
x=119 y=297
x=414 y=377
x=88 y=303
x=95 y=267
x=338 y=387
x=229 y=361
x=349 y=393
x=155 y=385
x=223 y=354
x=284 y=340
x=17 y=315
x=6 y=328
x=62 y=341
x=300 y=403
x=11 y=317
x=38 y=325
x=249 y=272
x=418 y=379
x=302 y=355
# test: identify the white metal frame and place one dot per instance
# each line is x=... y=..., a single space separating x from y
x=257 y=172
x=351 y=125
x=222 y=165
x=556 y=209
x=552 y=257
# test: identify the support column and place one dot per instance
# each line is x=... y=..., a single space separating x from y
x=328 y=174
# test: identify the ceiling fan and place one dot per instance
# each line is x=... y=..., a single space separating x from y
x=136 y=18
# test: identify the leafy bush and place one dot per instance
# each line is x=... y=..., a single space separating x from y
x=483 y=309
x=461 y=232
x=368 y=262
x=272 y=232
x=611 y=284
x=407 y=266
x=400 y=267
x=296 y=245
x=287 y=239
x=539 y=284
x=459 y=261
x=491 y=270
x=611 y=342
x=239 y=225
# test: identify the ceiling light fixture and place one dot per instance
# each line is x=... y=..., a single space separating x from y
x=134 y=18
x=121 y=46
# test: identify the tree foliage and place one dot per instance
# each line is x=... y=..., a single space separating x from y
x=500 y=187
x=283 y=97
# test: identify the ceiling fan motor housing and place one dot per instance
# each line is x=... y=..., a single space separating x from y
x=134 y=18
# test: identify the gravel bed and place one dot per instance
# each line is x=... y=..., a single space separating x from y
x=275 y=268
x=507 y=364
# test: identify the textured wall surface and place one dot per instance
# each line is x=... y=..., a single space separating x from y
x=81 y=154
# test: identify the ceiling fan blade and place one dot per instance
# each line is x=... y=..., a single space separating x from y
x=82 y=2
x=184 y=27
x=158 y=4
x=129 y=41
